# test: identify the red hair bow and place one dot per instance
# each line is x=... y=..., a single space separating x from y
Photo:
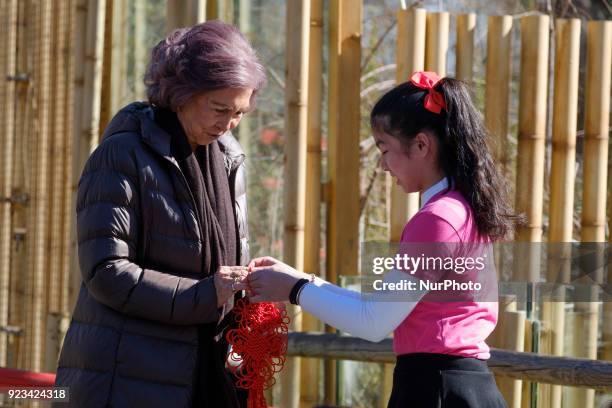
x=434 y=100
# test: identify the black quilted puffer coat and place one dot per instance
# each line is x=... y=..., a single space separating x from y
x=133 y=339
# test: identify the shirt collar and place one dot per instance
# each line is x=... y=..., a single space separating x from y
x=433 y=190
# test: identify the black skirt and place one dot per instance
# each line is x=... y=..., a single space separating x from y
x=425 y=380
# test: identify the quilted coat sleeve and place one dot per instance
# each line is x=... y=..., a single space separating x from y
x=108 y=225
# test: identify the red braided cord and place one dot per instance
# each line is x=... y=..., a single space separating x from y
x=259 y=344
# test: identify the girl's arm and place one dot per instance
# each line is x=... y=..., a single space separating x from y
x=369 y=316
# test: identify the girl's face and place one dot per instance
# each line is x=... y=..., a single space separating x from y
x=410 y=165
x=207 y=116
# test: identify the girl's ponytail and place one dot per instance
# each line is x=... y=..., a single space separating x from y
x=466 y=157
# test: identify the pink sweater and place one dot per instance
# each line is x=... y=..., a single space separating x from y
x=457 y=328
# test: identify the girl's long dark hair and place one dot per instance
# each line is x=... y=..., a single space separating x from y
x=464 y=154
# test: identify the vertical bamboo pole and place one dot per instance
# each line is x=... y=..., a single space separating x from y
x=212 y=10
x=185 y=13
x=5 y=201
x=466 y=27
x=244 y=15
x=19 y=276
x=497 y=89
x=38 y=224
x=58 y=163
x=599 y=44
x=107 y=64
x=561 y=210
x=94 y=51
x=57 y=159
x=245 y=130
x=531 y=145
x=32 y=39
x=437 y=42
x=140 y=48
x=77 y=80
x=532 y=126
x=114 y=67
x=89 y=45
x=226 y=11
x=296 y=91
x=497 y=99
x=597 y=108
x=409 y=57
x=8 y=67
x=510 y=325
x=119 y=55
x=174 y=15
x=312 y=231
x=343 y=154
x=68 y=248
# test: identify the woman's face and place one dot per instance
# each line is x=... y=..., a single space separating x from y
x=408 y=164
x=207 y=116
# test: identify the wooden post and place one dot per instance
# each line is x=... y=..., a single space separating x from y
x=497 y=88
x=312 y=224
x=466 y=27
x=296 y=91
x=409 y=57
x=343 y=154
x=437 y=42
x=530 y=159
x=8 y=19
x=597 y=107
x=561 y=210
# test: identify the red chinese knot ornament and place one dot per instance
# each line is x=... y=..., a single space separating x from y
x=259 y=345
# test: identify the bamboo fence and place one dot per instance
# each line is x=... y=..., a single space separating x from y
x=66 y=70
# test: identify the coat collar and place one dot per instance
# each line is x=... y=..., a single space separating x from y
x=140 y=117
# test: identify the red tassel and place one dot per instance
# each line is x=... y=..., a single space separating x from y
x=259 y=344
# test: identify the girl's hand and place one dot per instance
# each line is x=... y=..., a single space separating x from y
x=228 y=280
x=271 y=280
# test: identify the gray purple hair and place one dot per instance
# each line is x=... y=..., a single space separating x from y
x=206 y=57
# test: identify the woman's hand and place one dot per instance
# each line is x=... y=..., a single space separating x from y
x=228 y=280
x=270 y=280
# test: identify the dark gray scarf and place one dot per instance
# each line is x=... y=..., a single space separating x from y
x=208 y=181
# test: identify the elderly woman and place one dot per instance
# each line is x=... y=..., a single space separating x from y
x=160 y=207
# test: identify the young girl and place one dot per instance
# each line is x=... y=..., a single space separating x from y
x=432 y=140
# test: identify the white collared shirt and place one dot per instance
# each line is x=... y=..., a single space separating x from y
x=433 y=190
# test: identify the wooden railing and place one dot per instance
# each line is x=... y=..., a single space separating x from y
x=575 y=372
